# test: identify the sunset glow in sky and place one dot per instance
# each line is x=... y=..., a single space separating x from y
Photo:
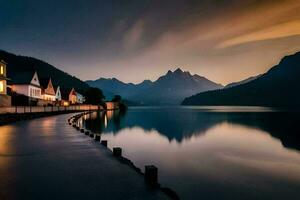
x=223 y=40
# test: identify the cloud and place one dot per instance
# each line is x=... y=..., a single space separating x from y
x=134 y=35
x=282 y=30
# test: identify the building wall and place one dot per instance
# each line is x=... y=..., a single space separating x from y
x=3 y=67
x=20 y=89
x=27 y=90
x=5 y=100
x=3 y=87
x=34 y=92
x=73 y=99
x=49 y=97
x=3 y=84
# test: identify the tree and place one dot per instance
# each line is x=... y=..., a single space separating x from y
x=94 y=96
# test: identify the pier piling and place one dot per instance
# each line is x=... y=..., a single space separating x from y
x=104 y=143
x=97 y=137
x=117 y=151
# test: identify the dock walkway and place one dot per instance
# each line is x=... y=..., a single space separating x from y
x=47 y=159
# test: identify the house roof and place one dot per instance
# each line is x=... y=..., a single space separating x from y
x=45 y=89
x=56 y=87
x=65 y=92
x=22 y=78
x=44 y=82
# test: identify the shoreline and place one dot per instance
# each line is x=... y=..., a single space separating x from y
x=19 y=113
x=15 y=117
x=12 y=118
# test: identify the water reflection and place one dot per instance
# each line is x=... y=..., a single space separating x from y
x=205 y=154
x=181 y=123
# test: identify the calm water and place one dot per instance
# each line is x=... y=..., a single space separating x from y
x=211 y=152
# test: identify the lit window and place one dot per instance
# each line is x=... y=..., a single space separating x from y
x=1 y=86
x=1 y=70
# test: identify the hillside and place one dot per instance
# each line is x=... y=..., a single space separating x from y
x=22 y=64
x=278 y=87
x=169 y=89
x=242 y=81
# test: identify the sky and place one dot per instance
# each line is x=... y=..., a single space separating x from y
x=133 y=40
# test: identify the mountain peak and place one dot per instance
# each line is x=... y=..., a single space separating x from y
x=169 y=72
x=178 y=70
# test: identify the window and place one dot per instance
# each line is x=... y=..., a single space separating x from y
x=1 y=86
x=1 y=70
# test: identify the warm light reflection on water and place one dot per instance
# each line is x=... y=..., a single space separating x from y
x=6 y=148
x=203 y=154
x=7 y=162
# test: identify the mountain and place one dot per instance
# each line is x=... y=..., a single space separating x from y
x=21 y=64
x=169 y=89
x=242 y=82
x=113 y=86
x=278 y=87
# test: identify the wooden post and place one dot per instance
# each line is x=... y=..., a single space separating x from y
x=104 y=143
x=87 y=133
x=151 y=175
x=82 y=130
x=92 y=135
x=117 y=151
x=97 y=137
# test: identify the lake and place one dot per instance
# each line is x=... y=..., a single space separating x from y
x=210 y=152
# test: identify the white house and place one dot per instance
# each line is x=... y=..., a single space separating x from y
x=80 y=98
x=48 y=92
x=3 y=78
x=68 y=95
x=73 y=96
x=58 y=94
x=27 y=84
x=5 y=100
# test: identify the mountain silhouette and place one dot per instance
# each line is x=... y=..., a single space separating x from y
x=247 y=80
x=277 y=87
x=169 y=89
